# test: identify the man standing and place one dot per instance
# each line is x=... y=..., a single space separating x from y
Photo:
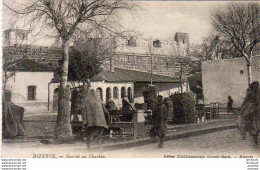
x=230 y=105
x=159 y=119
x=93 y=116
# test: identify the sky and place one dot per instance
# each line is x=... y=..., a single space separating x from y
x=162 y=19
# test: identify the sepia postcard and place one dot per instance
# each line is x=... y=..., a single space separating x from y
x=130 y=79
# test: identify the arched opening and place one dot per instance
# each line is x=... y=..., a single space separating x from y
x=123 y=92
x=108 y=93
x=129 y=94
x=115 y=93
x=99 y=93
x=55 y=100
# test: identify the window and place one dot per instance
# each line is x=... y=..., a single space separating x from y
x=123 y=92
x=131 y=42
x=99 y=93
x=7 y=35
x=115 y=92
x=31 y=92
x=21 y=36
x=108 y=93
x=129 y=95
x=157 y=43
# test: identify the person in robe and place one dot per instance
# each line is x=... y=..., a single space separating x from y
x=230 y=105
x=250 y=112
x=127 y=106
x=93 y=117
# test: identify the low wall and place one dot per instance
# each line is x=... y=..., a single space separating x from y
x=34 y=107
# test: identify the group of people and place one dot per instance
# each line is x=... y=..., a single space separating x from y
x=95 y=115
x=126 y=106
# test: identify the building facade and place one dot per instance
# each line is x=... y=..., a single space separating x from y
x=135 y=64
x=29 y=85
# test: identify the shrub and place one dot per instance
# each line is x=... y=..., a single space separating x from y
x=184 y=108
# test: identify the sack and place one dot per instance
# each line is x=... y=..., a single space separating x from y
x=152 y=133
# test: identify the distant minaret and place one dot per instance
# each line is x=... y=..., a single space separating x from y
x=15 y=36
x=182 y=39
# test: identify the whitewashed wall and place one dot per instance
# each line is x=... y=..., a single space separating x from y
x=229 y=77
x=19 y=83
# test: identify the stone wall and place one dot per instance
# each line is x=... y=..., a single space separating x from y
x=162 y=65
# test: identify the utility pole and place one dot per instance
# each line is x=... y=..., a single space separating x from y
x=151 y=70
x=181 y=77
x=151 y=57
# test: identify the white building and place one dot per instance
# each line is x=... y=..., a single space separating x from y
x=121 y=83
x=29 y=85
x=33 y=86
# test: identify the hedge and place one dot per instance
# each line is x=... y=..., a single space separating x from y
x=184 y=108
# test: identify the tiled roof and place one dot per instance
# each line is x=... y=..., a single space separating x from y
x=28 y=65
x=125 y=75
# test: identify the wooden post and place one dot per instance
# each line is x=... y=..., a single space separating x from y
x=135 y=125
x=139 y=123
x=151 y=69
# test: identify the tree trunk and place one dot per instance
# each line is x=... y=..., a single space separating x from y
x=63 y=130
x=249 y=70
x=64 y=63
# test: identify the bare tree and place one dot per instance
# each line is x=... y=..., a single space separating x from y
x=239 y=24
x=68 y=17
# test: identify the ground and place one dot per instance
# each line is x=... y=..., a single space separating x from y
x=218 y=144
x=222 y=143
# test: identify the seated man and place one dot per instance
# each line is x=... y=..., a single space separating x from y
x=111 y=106
x=126 y=107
